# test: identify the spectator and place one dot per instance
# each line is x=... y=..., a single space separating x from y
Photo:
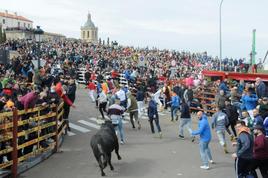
x=205 y=137
x=185 y=120
x=250 y=102
x=132 y=108
x=260 y=151
x=260 y=88
x=175 y=104
x=231 y=112
x=244 y=151
x=153 y=116
x=102 y=100
x=263 y=109
x=115 y=111
x=219 y=122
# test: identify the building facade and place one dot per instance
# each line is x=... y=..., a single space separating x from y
x=15 y=34
x=89 y=32
x=8 y=20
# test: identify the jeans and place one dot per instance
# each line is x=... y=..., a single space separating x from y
x=221 y=137
x=185 y=122
x=132 y=115
x=174 y=110
x=140 y=107
x=156 y=121
x=205 y=152
x=120 y=129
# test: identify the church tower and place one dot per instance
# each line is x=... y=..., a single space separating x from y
x=89 y=33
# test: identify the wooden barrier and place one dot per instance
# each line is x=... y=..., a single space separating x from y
x=25 y=135
x=206 y=96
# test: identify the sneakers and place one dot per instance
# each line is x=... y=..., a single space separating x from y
x=193 y=139
x=122 y=142
x=204 y=167
x=181 y=137
x=160 y=135
x=139 y=125
x=211 y=162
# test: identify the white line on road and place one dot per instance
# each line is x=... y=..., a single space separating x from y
x=98 y=121
x=70 y=133
x=89 y=124
x=79 y=128
x=161 y=114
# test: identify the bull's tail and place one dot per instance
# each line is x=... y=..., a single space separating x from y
x=102 y=156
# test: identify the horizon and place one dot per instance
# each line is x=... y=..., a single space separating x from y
x=175 y=25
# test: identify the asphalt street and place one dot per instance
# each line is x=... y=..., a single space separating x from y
x=143 y=155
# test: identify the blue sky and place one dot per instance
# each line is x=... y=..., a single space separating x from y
x=191 y=25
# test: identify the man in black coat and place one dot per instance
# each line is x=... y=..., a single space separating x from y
x=232 y=115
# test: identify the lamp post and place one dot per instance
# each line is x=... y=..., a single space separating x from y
x=38 y=32
x=220 y=37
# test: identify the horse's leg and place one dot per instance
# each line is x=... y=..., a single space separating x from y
x=109 y=161
x=117 y=150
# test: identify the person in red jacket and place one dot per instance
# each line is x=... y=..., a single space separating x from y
x=62 y=94
x=92 y=88
x=260 y=151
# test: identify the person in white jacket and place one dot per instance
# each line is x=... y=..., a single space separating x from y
x=102 y=100
x=157 y=98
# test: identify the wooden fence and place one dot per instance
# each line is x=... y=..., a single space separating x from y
x=28 y=135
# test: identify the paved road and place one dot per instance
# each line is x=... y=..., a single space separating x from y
x=142 y=156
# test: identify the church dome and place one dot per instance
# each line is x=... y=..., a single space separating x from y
x=89 y=23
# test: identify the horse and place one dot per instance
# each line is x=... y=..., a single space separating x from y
x=103 y=143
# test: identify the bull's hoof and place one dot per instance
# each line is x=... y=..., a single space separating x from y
x=119 y=157
x=102 y=174
x=112 y=168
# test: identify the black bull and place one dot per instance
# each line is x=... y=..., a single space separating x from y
x=103 y=143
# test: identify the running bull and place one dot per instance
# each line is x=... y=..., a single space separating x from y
x=103 y=143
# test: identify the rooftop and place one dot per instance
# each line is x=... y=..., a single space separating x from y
x=89 y=23
x=14 y=16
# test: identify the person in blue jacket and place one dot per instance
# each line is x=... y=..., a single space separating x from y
x=153 y=116
x=175 y=104
x=205 y=137
x=223 y=86
x=249 y=101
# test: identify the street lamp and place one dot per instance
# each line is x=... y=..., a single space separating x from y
x=38 y=32
x=220 y=37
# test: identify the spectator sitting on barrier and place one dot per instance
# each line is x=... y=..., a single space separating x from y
x=29 y=100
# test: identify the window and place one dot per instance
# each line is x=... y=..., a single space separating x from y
x=24 y=24
x=4 y=21
x=18 y=24
x=87 y=34
x=29 y=25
